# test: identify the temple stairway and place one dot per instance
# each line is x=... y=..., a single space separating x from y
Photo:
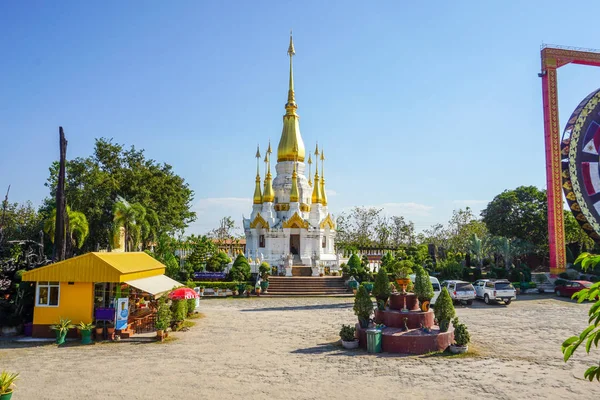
x=307 y=286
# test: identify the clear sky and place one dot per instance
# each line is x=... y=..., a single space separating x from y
x=421 y=108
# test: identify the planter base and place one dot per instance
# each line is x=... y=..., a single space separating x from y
x=458 y=349
x=351 y=344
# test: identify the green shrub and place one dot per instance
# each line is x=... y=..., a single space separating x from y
x=461 y=334
x=218 y=262
x=444 y=310
x=347 y=333
x=466 y=274
x=401 y=268
x=355 y=268
x=381 y=287
x=178 y=311
x=449 y=269
x=264 y=269
x=163 y=315
x=423 y=286
x=363 y=306
x=191 y=306
x=240 y=270
x=477 y=275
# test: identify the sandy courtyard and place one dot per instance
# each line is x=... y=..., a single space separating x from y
x=269 y=348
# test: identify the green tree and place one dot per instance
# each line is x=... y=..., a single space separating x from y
x=240 y=270
x=130 y=218
x=78 y=227
x=94 y=183
x=20 y=221
x=217 y=262
x=225 y=230
x=590 y=335
x=575 y=235
x=387 y=259
x=520 y=213
x=202 y=249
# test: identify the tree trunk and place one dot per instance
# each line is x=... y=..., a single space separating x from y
x=59 y=232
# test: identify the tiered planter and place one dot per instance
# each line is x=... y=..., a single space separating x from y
x=414 y=340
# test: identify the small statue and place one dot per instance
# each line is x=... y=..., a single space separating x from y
x=405 y=327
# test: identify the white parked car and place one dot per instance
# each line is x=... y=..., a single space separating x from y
x=495 y=290
x=437 y=288
x=460 y=291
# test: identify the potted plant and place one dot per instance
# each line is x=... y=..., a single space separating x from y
x=423 y=288
x=257 y=290
x=110 y=330
x=241 y=286
x=402 y=271
x=369 y=286
x=381 y=288
x=62 y=328
x=99 y=332
x=163 y=318
x=461 y=338
x=7 y=383
x=86 y=332
x=347 y=335
x=248 y=290
x=444 y=310
x=363 y=307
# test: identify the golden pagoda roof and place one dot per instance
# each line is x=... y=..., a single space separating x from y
x=290 y=135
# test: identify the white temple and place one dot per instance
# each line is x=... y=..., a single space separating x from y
x=290 y=224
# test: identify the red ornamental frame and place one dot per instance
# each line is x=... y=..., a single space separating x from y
x=554 y=57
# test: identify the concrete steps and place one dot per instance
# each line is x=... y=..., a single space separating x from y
x=306 y=286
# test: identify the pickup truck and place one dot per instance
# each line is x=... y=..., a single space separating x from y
x=495 y=290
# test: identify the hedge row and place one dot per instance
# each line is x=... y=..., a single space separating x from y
x=218 y=285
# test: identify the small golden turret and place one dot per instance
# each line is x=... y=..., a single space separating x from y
x=257 y=193
x=268 y=193
x=294 y=195
x=316 y=195
x=323 y=194
x=309 y=170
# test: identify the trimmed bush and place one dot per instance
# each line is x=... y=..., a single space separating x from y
x=423 y=286
x=240 y=270
x=461 y=334
x=381 y=288
x=191 y=306
x=363 y=306
x=347 y=333
x=444 y=310
x=264 y=269
x=163 y=315
x=178 y=311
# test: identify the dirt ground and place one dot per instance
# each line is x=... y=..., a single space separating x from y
x=281 y=348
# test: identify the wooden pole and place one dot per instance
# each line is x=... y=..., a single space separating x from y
x=61 y=203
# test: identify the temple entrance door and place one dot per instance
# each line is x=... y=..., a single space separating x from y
x=295 y=244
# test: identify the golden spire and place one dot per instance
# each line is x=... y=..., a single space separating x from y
x=290 y=135
x=317 y=152
x=294 y=195
x=323 y=194
x=309 y=170
x=257 y=192
x=268 y=193
x=316 y=195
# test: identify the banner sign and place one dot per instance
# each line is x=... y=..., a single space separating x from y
x=122 y=313
x=209 y=275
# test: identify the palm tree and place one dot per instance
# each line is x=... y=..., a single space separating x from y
x=475 y=246
x=129 y=217
x=149 y=228
x=78 y=227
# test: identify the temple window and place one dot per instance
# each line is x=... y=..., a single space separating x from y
x=324 y=242
x=261 y=241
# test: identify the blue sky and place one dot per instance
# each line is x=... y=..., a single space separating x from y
x=420 y=108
